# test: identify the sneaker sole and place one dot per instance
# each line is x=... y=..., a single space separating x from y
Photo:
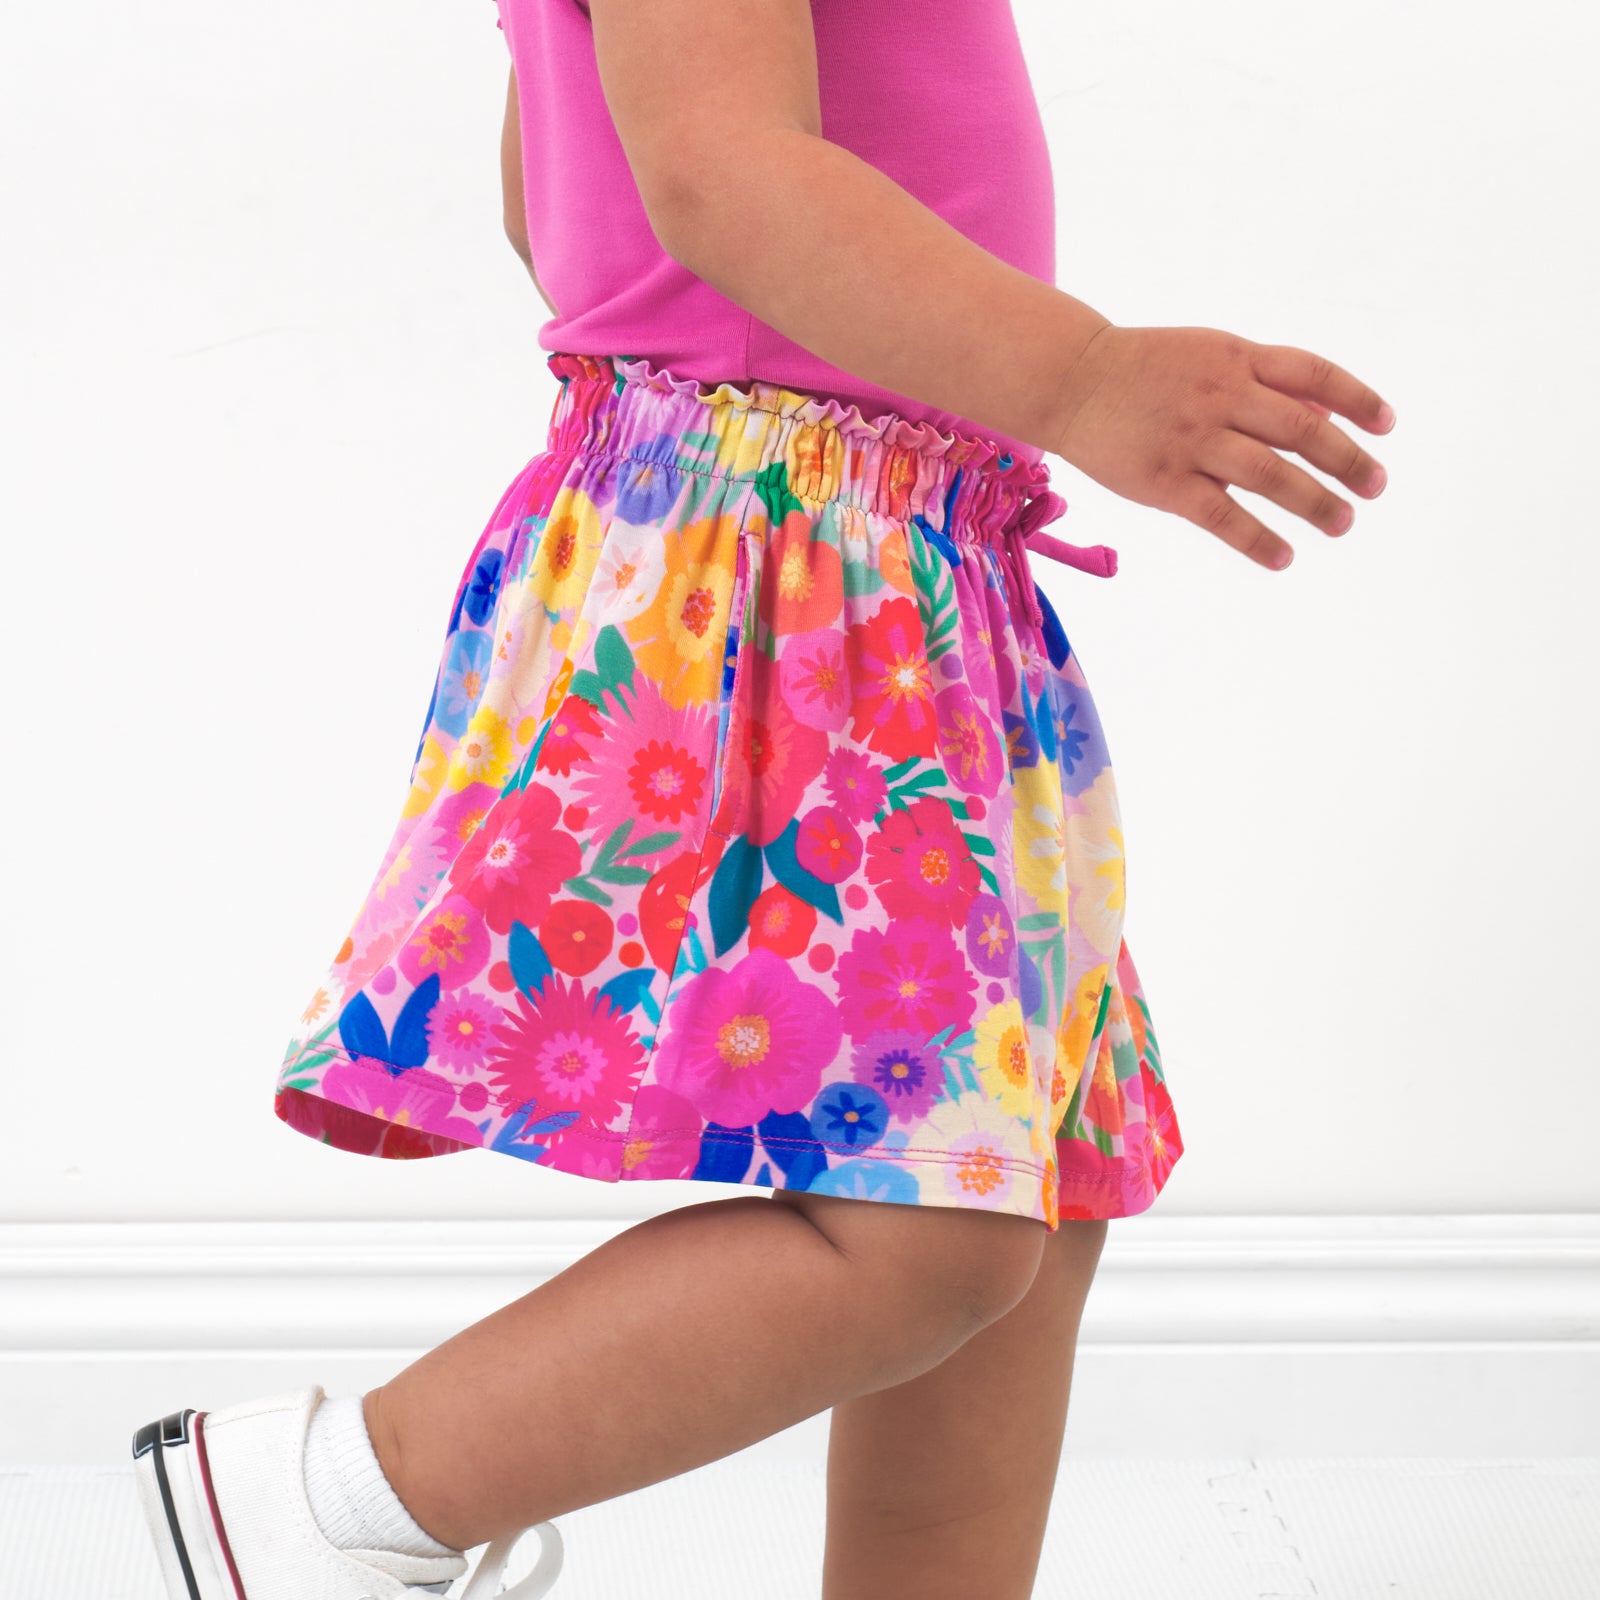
x=180 y=1508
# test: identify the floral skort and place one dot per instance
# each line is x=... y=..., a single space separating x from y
x=761 y=831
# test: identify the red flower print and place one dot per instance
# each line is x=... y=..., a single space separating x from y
x=827 y=846
x=769 y=759
x=574 y=727
x=748 y=1040
x=664 y=905
x=577 y=936
x=802 y=578
x=921 y=866
x=893 y=689
x=666 y=782
x=908 y=975
x=517 y=859
x=573 y=1051
x=782 y=922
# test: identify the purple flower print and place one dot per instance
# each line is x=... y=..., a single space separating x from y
x=907 y=1076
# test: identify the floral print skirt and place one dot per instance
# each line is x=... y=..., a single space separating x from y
x=761 y=831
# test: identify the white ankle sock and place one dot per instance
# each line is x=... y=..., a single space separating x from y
x=351 y=1499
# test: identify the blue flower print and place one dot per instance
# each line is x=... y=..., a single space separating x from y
x=850 y=1114
x=484 y=588
x=866 y=1179
x=461 y=687
x=1070 y=741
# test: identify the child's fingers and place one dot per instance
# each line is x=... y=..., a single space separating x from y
x=1247 y=463
x=1275 y=419
x=1204 y=503
x=1317 y=381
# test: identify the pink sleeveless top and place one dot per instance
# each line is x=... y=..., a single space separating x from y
x=934 y=93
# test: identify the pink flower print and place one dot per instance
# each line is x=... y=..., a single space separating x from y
x=826 y=845
x=572 y=1051
x=517 y=859
x=970 y=751
x=450 y=940
x=413 y=1099
x=664 y=1138
x=749 y=1040
x=908 y=975
x=920 y=864
x=648 y=766
x=456 y=818
x=855 y=783
x=814 y=678
x=461 y=1029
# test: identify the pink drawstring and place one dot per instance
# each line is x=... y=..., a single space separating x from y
x=1098 y=559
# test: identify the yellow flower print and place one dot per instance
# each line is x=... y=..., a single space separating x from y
x=1096 y=867
x=558 y=688
x=1076 y=1033
x=1003 y=1058
x=484 y=753
x=565 y=558
x=679 y=639
x=427 y=778
x=1040 y=836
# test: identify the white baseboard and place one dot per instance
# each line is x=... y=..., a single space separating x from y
x=1204 y=1336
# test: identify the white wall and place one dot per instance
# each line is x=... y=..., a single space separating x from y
x=268 y=364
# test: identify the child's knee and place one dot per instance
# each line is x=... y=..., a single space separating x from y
x=944 y=1263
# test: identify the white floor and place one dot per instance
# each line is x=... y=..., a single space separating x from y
x=1141 y=1530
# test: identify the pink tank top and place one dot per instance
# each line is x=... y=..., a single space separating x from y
x=934 y=93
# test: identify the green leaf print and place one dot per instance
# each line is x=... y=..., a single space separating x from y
x=585 y=890
x=772 y=486
x=587 y=685
x=936 y=595
x=608 y=869
x=613 y=659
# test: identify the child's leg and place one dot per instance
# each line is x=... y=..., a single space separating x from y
x=689 y=1336
x=940 y=1487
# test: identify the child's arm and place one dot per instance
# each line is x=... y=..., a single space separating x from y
x=716 y=105
x=516 y=218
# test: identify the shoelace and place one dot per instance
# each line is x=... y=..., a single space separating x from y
x=485 y=1582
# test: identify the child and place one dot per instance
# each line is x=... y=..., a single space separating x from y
x=762 y=830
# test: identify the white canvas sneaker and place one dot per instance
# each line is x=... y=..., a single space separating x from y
x=224 y=1495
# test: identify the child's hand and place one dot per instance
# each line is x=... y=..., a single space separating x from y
x=1172 y=417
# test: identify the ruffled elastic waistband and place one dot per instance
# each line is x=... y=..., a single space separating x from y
x=961 y=485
